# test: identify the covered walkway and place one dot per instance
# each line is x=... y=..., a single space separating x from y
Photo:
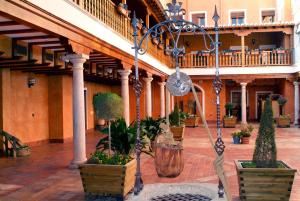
x=45 y=176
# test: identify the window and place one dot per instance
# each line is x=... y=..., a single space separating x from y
x=199 y=19
x=237 y=18
x=268 y=16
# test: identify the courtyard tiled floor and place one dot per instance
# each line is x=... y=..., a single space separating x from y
x=45 y=176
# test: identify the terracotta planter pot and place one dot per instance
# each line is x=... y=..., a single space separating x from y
x=265 y=183
x=155 y=41
x=178 y=132
x=101 y=122
x=245 y=140
x=122 y=11
x=103 y=180
x=192 y=121
x=229 y=122
x=160 y=46
x=283 y=122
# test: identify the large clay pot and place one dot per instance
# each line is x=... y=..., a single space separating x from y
x=169 y=160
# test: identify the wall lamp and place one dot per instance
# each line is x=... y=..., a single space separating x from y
x=31 y=81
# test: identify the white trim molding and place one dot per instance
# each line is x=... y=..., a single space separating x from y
x=198 y=12
x=266 y=9
x=237 y=10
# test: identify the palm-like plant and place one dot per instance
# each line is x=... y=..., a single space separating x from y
x=151 y=127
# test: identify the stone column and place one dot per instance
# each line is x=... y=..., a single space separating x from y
x=125 y=94
x=148 y=81
x=162 y=99
x=79 y=145
x=167 y=102
x=244 y=103
x=172 y=103
x=296 y=107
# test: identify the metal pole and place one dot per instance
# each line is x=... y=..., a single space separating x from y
x=219 y=144
x=138 y=186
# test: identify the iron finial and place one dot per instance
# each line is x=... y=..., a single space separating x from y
x=216 y=17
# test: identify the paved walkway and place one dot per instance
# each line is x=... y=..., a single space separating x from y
x=45 y=176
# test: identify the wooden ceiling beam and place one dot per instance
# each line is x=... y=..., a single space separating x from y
x=34 y=37
x=18 y=31
x=27 y=65
x=9 y=23
x=10 y=58
x=13 y=62
x=53 y=47
x=38 y=68
x=45 y=43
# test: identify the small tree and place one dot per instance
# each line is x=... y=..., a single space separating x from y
x=175 y=117
x=265 y=148
x=281 y=102
x=108 y=106
x=229 y=107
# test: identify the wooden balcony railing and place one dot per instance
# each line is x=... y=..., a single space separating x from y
x=106 y=12
x=264 y=58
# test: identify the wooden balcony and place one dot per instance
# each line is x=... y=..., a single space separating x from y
x=106 y=12
x=235 y=59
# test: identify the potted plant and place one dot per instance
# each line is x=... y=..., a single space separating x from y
x=245 y=134
x=144 y=30
x=264 y=177
x=111 y=175
x=122 y=9
x=236 y=136
x=283 y=120
x=150 y=129
x=177 y=126
x=140 y=24
x=108 y=106
x=229 y=121
x=191 y=120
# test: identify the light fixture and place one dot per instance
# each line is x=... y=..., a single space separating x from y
x=31 y=81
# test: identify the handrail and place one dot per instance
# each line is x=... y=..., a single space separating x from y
x=106 y=12
x=234 y=59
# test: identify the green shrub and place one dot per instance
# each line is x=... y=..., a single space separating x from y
x=176 y=117
x=100 y=157
x=265 y=153
x=151 y=127
x=246 y=131
x=228 y=107
x=122 y=137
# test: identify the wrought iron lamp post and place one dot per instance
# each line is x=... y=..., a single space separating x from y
x=178 y=83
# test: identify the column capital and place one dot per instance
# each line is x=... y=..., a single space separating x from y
x=148 y=79
x=296 y=83
x=243 y=84
x=162 y=84
x=76 y=59
x=124 y=73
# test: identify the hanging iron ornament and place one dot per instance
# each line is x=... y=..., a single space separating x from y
x=178 y=83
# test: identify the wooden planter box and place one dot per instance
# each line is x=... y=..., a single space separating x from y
x=108 y=180
x=283 y=122
x=178 y=132
x=192 y=122
x=264 y=183
x=229 y=122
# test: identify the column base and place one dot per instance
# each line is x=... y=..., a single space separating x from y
x=75 y=164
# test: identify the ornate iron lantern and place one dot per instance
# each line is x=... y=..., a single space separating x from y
x=178 y=83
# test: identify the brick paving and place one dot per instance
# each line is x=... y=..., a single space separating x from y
x=45 y=174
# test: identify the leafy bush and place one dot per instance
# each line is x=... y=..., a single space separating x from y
x=281 y=102
x=151 y=127
x=228 y=107
x=108 y=106
x=236 y=134
x=265 y=153
x=176 y=117
x=246 y=131
x=122 y=137
x=100 y=157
